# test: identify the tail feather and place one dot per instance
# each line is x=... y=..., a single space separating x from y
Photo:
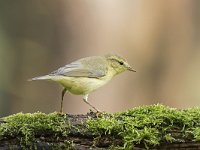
x=46 y=77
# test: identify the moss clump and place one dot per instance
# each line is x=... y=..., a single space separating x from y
x=148 y=125
x=27 y=127
x=145 y=126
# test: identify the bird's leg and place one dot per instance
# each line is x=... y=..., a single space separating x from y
x=63 y=93
x=86 y=101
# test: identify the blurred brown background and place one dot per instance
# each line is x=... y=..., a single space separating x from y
x=160 y=39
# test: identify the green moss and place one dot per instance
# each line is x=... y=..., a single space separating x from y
x=68 y=145
x=149 y=125
x=26 y=127
x=145 y=126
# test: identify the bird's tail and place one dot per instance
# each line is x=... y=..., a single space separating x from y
x=46 y=77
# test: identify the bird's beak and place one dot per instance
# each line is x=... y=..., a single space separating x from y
x=131 y=69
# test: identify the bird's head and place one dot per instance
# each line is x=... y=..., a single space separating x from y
x=118 y=63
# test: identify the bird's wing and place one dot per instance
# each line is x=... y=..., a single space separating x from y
x=83 y=68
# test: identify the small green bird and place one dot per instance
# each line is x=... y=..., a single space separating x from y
x=85 y=75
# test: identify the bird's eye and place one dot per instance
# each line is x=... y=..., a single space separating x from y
x=121 y=63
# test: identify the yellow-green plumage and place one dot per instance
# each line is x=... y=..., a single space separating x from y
x=85 y=75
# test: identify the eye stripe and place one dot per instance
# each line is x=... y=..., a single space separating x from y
x=119 y=61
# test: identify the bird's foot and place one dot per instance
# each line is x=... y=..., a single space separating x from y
x=96 y=114
x=61 y=113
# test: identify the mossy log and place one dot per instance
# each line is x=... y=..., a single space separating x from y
x=146 y=127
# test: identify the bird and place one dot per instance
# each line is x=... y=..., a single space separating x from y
x=86 y=75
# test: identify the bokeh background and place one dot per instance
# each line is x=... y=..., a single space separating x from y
x=160 y=39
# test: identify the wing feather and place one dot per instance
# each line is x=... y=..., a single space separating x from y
x=94 y=67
